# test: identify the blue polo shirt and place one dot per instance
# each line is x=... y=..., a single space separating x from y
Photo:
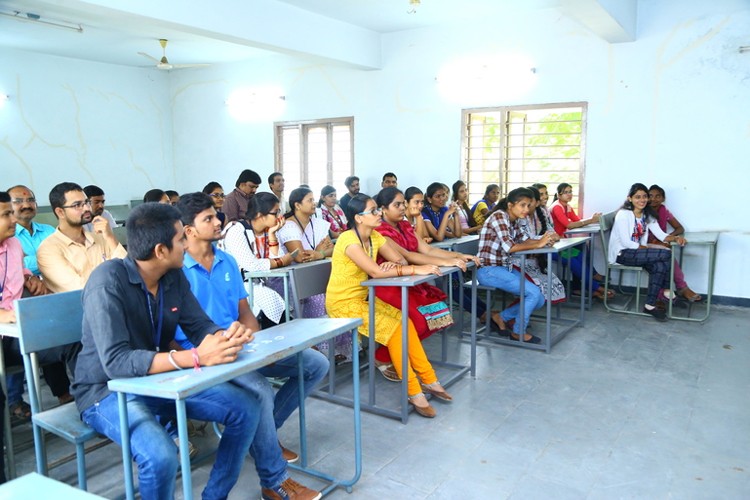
x=30 y=243
x=218 y=292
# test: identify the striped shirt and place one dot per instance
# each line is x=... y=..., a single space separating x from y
x=497 y=237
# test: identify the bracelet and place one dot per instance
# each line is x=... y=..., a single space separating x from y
x=196 y=360
x=279 y=262
x=322 y=254
x=398 y=270
x=171 y=360
x=412 y=270
x=273 y=243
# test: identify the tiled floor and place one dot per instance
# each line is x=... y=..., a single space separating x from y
x=625 y=407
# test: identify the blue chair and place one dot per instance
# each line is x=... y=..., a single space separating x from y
x=45 y=322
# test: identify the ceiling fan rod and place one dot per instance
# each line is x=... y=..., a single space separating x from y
x=29 y=17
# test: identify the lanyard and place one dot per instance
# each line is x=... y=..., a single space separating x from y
x=304 y=231
x=5 y=274
x=155 y=328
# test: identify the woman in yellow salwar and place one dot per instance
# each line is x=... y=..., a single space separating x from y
x=354 y=259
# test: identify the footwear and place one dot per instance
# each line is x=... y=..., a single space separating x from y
x=437 y=390
x=20 y=411
x=533 y=340
x=65 y=398
x=388 y=371
x=598 y=277
x=599 y=293
x=689 y=295
x=290 y=490
x=288 y=454
x=503 y=332
x=193 y=451
x=426 y=411
x=657 y=313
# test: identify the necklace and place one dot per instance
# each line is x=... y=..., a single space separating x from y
x=335 y=216
x=369 y=240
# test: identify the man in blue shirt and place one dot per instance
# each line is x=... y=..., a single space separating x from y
x=216 y=282
x=29 y=233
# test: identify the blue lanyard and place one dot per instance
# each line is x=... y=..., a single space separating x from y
x=155 y=329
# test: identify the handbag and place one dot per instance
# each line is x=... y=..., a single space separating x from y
x=437 y=315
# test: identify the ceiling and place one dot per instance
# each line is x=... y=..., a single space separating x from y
x=115 y=36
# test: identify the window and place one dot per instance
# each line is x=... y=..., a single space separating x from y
x=315 y=152
x=517 y=146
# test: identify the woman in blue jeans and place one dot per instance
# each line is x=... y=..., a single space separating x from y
x=501 y=236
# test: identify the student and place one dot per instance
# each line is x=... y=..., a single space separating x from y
x=308 y=236
x=486 y=204
x=401 y=236
x=236 y=202
x=542 y=210
x=628 y=245
x=131 y=308
x=656 y=197
x=501 y=236
x=331 y=212
x=461 y=199
x=254 y=245
x=216 y=192
x=96 y=195
x=352 y=186
x=354 y=259
x=174 y=196
x=564 y=218
x=216 y=282
x=156 y=196
x=276 y=185
x=389 y=180
x=414 y=204
x=440 y=221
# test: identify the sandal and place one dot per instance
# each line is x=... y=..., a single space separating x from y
x=426 y=411
x=437 y=390
x=388 y=371
x=689 y=295
x=599 y=294
x=20 y=411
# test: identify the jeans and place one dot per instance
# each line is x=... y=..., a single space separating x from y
x=156 y=454
x=315 y=367
x=510 y=281
x=654 y=260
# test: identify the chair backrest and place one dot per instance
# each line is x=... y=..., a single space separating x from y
x=606 y=222
x=307 y=280
x=49 y=321
x=121 y=233
x=468 y=247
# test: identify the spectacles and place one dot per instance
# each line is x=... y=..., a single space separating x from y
x=276 y=213
x=567 y=192
x=21 y=201
x=78 y=205
x=217 y=195
x=374 y=211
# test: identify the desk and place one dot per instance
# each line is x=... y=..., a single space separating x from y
x=548 y=341
x=404 y=282
x=7 y=330
x=450 y=243
x=269 y=346
x=708 y=239
x=588 y=231
x=37 y=486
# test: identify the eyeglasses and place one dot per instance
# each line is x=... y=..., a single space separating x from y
x=567 y=192
x=217 y=195
x=78 y=205
x=276 y=213
x=21 y=201
x=374 y=211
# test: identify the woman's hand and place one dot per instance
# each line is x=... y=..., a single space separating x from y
x=455 y=262
x=546 y=240
x=387 y=266
x=596 y=217
x=680 y=240
x=279 y=224
x=427 y=269
x=451 y=209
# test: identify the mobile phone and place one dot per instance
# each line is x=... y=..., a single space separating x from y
x=294 y=253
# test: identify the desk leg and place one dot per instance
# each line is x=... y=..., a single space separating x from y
x=671 y=279
x=404 y=354
x=474 y=320
x=286 y=299
x=711 y=268
x=127 y=461
x=182 y=432
x=357 y=422
x=302 y=416
x=548 y=323
x=371 y=345
x=583 y=282
x=590 y=250
x=521 y=321
x=7 y=428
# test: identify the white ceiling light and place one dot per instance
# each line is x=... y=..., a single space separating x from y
x=30 y=17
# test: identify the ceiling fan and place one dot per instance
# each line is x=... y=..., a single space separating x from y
x=164 y=64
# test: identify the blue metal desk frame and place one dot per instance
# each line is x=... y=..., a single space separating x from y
x=269 y=346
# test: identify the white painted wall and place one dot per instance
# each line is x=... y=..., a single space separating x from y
x=670 y=108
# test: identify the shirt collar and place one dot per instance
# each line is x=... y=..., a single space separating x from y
x=134 y=277
x=189 y=261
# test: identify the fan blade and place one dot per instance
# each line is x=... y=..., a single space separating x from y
x=147 y=56
x=183 y=66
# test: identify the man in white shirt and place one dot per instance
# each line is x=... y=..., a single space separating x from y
x=276 y=183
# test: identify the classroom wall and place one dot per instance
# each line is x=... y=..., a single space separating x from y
x=669 y=108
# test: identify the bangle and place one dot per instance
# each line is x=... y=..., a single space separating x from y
x=171 y=360
x=322 y=254
x=398 y=270
x=412 y=270
x=279 y=262
x=196 y=359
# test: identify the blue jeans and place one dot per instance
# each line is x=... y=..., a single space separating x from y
x=510 y=281
x=156 y=454
x=315 y=367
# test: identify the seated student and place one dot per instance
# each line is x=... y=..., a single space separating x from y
x=174 y=196
x=656 y=197
x=564 y=218
x=401 y=236
x=486 y=204
x=542 y=212
x=156 y=196
x=354 y=259
x=352 y=187
x=127 y=336
x=308 y=235
x=439 y=220
x=628 y=245
x=461 y=199
x=96 y=195
x=216 y=282
x=254 y=245
x=216 y=192
x=414 y=204
x=331 y=212
x=501 y=236
x=15 y=280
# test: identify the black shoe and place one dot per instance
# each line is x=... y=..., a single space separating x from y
x=498 y=330
x=657 y=313
x=533 y=340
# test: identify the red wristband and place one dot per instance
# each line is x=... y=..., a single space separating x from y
x=196 y=359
